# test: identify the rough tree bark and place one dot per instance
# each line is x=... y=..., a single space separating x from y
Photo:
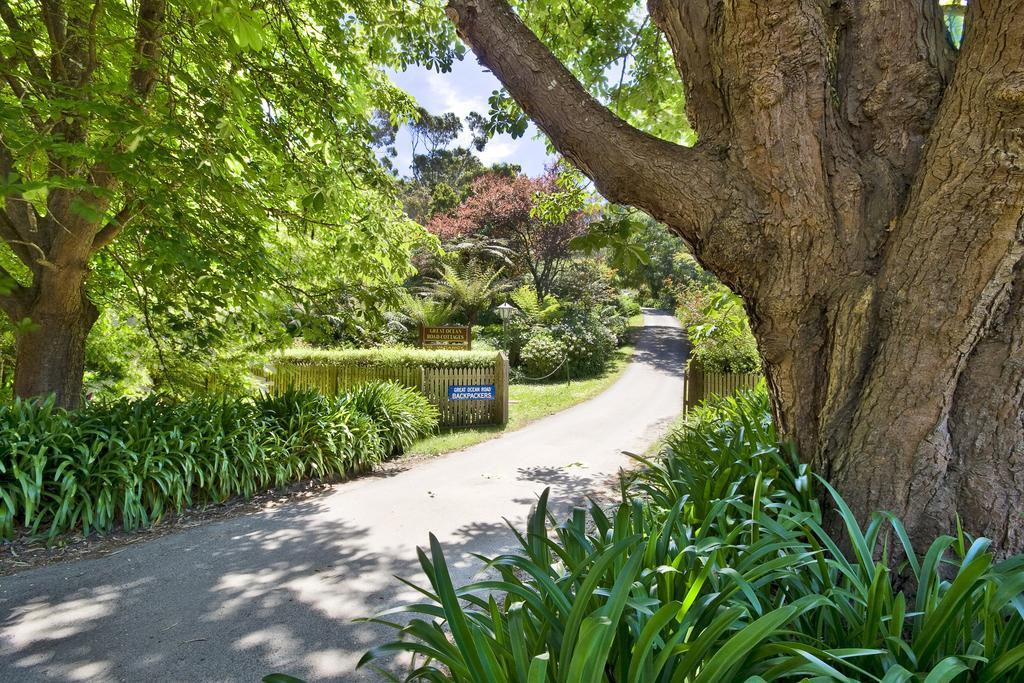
x=52 y=312
x=861 y=184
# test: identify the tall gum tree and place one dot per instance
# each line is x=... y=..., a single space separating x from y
x=860 y=182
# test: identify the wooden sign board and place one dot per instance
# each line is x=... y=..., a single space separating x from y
x=450 y=337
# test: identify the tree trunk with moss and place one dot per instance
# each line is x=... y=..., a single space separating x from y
x=860 y=183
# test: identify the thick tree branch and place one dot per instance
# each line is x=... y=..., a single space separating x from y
x=894 y=62
x=56 y=29
x=16 y=236
x=691 y=31
x=13 y=297
x=148 y=34
x=678 y=185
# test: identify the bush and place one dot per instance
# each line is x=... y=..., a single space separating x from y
x=718 y=329
x=717 y=567
x=726 y=353
x=588 y=342
x=542 y=355
x=130 y=461
x=587 y=283
x=401 y=414
x=627 y=305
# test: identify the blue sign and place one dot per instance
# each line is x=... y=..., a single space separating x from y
x=471 y=392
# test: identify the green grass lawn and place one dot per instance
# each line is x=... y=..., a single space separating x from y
x=528 y=402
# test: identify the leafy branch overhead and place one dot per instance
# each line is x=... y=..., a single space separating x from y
x=209 y=130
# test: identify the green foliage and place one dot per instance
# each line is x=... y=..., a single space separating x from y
x=415 y=311
x=234 y=157
x=717 y=568
x=587 y=283
x=387 y=357
x=115 y=367
x=470 y=287
x=627 y=305
x=619 y=235
x=542 y=355
x=130 y=462
x=526 y=300
x=718 y=329
x=587 y=338
x=402 y=415
x=619 y=55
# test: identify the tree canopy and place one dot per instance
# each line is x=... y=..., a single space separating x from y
x=184 y=149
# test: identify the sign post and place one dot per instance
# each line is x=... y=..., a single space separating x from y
x=450 y=337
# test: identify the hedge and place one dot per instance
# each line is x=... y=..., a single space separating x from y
x=387 y=357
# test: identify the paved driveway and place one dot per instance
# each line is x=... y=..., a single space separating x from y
x=277 y=590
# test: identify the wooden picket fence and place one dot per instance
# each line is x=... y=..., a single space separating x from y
x=434 y=382
x=701 y=385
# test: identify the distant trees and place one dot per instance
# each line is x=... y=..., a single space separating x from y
x=506 y=208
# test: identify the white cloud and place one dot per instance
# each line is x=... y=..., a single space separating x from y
x=450 y=99
x=498 y=150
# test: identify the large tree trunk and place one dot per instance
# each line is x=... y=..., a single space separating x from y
x=52 y=313
x=861 y=185
x=51 y=348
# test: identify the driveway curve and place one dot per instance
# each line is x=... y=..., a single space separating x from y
x=278 y=590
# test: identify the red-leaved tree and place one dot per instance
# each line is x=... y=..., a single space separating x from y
x=502 y=207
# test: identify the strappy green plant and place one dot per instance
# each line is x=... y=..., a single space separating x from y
x=717 y=567
x=130 y=462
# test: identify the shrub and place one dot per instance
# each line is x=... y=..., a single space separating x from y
x=130 y=461
x=402 y=415
x=718 y=329
x=627 y=305
x=727 y=353
x=717 y=567
x=588 y=342
x=542 y=355
x=587 y=283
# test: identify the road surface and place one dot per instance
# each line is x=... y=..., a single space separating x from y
x=278 y=590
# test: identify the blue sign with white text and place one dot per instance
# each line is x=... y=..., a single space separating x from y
x=471 y=392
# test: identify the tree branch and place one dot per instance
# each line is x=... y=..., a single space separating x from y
x=12 y=296
x=148 y=33
x=56 y=30
x=675 y=184
x=689 y=27
x=22 y=43
x=15 y=236
x=108 y=232
x=894 y=62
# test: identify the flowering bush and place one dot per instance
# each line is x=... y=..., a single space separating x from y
x=587 y=341
x=542 y=355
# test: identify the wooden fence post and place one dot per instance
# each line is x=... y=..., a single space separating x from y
x=694 y=387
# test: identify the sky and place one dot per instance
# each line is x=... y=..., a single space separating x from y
x=465 y=89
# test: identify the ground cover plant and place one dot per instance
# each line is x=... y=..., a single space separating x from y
x=716 y=567
x=129 y=462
